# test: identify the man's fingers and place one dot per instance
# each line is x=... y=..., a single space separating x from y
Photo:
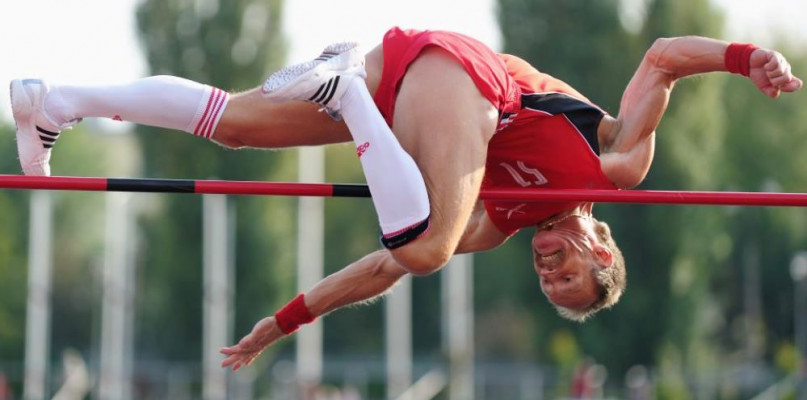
x=776 y=61
x=781 y=81
x=238 y=356
x=250 y=346
x=228 y=351
x=230 y=360
x=252 y=358
x=779 y=71
x=794 y=85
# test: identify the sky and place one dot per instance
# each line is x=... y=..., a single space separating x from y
x=94 y=41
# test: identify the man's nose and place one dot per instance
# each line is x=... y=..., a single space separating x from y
x=546 y=271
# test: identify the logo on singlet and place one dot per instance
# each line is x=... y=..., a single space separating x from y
x=537 y=178
x=511 y=211
x=360 y=149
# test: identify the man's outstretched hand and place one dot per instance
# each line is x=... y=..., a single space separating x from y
x=771 y=72
x=265 y=333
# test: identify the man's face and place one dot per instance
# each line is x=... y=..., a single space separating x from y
x=565 y=256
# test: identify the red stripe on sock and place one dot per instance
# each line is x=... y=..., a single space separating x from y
x=221 y=96
x=197 y=131
x=217 y=114
x=211 y=101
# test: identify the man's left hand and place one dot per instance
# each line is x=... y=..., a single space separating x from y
x=265 y=332
x=770 y=71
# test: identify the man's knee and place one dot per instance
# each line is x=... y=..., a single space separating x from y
x=421 y=257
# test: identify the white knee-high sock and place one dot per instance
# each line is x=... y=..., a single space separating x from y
x=162 y=101
x=399 y=192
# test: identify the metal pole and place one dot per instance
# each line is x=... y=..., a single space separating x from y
x=115 y=373
x=398 y=322
x=798 y=271
x=216 y=331
x=310 y=249
x=37 y=329
x=458 y=329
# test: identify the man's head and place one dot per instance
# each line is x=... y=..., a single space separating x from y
x=581 y=269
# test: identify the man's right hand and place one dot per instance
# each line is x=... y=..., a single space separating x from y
x=771 y=72
x=265 y=333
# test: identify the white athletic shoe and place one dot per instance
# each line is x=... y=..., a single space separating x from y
x=34 y=142
x=322 y=81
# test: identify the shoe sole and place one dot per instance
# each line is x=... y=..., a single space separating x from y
x=14 y=88
x=22 y=107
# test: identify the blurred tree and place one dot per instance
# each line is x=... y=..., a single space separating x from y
x=767 y=155
x=13 y=255
x=230 y=45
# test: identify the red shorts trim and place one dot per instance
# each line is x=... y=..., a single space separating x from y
x=484 y=66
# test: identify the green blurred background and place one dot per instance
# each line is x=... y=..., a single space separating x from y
x=709 y=309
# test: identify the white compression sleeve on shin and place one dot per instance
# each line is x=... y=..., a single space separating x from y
x=399 y=192
x=162 y=101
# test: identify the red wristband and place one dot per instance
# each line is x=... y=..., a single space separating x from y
x=738 y=58
x=293 y=314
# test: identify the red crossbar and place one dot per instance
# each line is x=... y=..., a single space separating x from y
x=346 y=190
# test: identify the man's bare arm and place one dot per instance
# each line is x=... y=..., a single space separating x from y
x=361 y=281
x=366 y=279
x=631 y=137
x=480 y=233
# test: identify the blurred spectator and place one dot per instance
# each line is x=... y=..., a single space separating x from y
x=5 y=388
x=588 y=380
x=637 y=383
x=580 y=388
x=76 y=377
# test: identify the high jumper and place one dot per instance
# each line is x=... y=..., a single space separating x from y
x=437 y=118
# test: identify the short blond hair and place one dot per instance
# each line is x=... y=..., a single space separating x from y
x=611 y=280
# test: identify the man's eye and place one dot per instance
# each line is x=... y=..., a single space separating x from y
x=567 y=279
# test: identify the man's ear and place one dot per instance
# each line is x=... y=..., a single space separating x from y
x=603 y=256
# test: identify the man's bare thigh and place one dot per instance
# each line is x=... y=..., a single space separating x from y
x=445 y=124
x=251 y=121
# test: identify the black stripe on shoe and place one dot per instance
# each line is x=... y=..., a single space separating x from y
x=325 y=93
x=47 y=132
x=321 y=88
x=47 y=139
x=326 y=55
x=333 y=90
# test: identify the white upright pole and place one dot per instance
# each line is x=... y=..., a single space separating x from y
x=37 y=329
x=116 y=340
x=798 y=271
x=398 y=318
x=310 y=268
x=216 y=330
x=458 y=329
